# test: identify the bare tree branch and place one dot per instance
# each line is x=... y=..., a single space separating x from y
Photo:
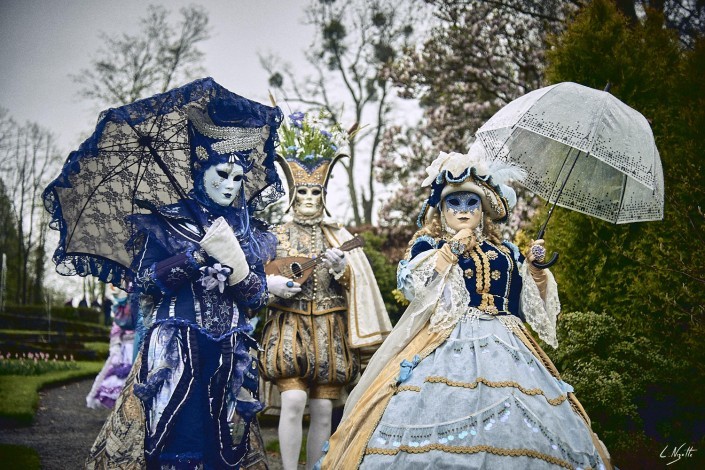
x=355 y=45
x=130 y=67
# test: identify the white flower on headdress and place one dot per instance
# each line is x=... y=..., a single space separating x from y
x=457 y=163
x=453 y=162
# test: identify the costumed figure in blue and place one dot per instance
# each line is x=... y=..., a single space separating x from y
x=460 y=382
x=200 y=271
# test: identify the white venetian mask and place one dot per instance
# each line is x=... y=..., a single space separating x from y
x=223 y=182
x=308 y=201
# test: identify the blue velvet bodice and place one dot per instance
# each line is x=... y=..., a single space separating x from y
x=169 y=273
x=491 y=274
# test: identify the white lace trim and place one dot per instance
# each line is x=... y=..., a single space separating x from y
x=426 y=292
x=453 y=302
x=539 y=314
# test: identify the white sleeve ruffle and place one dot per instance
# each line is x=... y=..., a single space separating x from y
x=540 y=314
x=453 y=302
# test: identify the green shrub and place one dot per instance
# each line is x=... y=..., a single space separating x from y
x=83 y=314
x=640 y=366
x=19 y=458
x=385 y=271
x=16 y=321
x=102 y=348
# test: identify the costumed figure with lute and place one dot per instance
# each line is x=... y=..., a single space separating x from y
x=325 y=307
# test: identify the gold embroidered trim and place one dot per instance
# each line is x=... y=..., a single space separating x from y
x=479 y=287
x=507 y=383
x=482 y=268
x=471 y=450
x=511 y=264
x=408 y=388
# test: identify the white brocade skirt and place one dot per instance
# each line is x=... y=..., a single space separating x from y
x=481 y=400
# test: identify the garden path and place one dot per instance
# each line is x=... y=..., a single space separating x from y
x=64 y=429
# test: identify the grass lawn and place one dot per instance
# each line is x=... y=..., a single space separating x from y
x=102 y=348
x=273 y=446
x=19 y=393
x=18 y=458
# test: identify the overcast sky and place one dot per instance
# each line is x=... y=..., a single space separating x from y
x=42 y=42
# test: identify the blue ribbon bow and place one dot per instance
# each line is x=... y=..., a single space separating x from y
x=406 y=367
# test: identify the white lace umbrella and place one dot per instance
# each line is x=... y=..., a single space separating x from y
x=582 y=149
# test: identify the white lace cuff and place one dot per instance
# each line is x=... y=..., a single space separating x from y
x=453 y=302
x=540 y=314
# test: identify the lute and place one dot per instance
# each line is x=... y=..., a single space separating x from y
x=300 y=268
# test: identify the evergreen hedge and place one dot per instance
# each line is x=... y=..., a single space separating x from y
x=638 y=364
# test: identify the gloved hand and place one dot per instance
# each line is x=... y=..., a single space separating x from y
x=537 y=253
x=334 y=260
x=221 y=243
x=460 y=241
x=282 y=286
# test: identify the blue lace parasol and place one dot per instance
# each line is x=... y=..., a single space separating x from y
x=140 y=153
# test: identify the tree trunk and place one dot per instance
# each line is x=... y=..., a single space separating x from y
x=627 y=8
x=352 y=190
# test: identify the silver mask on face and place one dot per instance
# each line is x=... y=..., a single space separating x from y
x=461 y=210
x=222 y=182
x=464 y=201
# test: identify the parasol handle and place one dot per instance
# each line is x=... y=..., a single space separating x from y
x=554 y=256
x=146 y=141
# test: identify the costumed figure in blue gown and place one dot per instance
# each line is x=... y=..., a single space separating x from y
x=199 y=271
x=460 y=382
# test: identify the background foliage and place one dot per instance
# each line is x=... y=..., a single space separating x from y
x=638 y=362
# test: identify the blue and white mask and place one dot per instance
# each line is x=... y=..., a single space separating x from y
x=463 y=201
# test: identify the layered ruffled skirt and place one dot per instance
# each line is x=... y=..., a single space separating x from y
x=110 y=381
x=480 y=400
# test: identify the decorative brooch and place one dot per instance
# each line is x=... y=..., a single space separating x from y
x=457 y=248
x=539 y=252
x=215 y=276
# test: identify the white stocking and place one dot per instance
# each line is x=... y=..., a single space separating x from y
x=290 y=427
x=319 y=432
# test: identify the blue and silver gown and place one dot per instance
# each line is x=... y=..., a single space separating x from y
x=470 y=388
x=197 y=375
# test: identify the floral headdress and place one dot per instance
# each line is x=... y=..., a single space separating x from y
x=474 y=172
x=308 y=151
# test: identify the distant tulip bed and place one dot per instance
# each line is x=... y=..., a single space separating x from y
x=34 y=363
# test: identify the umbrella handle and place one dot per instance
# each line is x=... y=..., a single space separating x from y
x=548 y=264
x=540 y=235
